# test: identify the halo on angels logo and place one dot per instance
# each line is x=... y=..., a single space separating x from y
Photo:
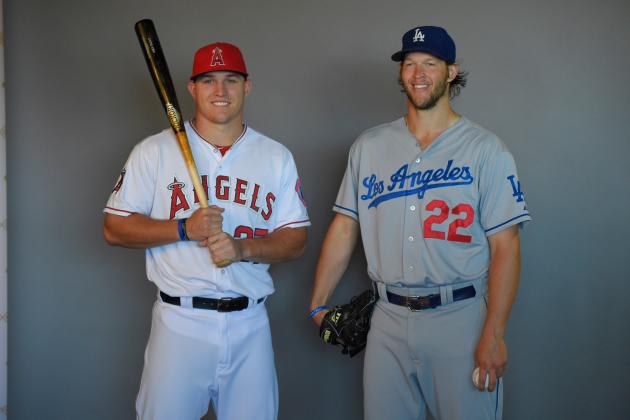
x=176 y=184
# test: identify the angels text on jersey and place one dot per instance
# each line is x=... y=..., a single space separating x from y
x=226 y=188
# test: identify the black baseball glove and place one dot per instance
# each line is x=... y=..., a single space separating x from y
x=348 y=325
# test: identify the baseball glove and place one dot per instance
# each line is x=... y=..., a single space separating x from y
x=348 y=325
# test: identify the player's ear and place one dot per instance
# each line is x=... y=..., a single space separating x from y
x=453 y=69
x=248 y=86
x=191 y=88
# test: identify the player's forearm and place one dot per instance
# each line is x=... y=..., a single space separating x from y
x=334 y=258
x=503 y=280
x=139 y=231
x=282 y=245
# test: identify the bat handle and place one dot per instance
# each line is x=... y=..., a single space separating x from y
x=224 y=263
x=203 y=202
x=196 y=180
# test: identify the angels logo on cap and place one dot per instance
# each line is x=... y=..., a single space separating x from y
x=219 y=56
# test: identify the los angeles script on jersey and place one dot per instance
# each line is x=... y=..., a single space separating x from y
x=404 y=182
x=226 y=188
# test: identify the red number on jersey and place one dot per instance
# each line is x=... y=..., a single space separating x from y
x=439 y=218
x=435 y=219
x=461 y=223
x=247 y=232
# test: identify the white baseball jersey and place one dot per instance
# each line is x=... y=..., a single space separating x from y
x=425 y=215
x=256 y=182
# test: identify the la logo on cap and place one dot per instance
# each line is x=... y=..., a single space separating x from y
x=418 y=36
x=217 y=57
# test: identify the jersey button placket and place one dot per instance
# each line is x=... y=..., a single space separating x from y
x=411 y=229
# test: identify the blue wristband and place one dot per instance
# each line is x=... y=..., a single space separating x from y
x=318 y=309
x=180 y=229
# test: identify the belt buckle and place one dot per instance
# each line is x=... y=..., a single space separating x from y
x=421 y=303
x=224 y=304
x=411 y=300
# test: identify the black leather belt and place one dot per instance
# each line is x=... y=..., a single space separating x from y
x=418 y=303
x=226 y=304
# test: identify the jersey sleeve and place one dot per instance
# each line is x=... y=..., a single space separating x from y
x=502 y=202
x=134 y=189
x=347 y=200
x=291 y=206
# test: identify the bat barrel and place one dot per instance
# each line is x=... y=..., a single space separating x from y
x=160 y=74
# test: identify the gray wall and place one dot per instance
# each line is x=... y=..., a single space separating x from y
x=549 y=77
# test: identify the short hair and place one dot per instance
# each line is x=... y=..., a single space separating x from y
x=199 y=76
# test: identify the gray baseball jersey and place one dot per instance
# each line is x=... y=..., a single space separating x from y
x=425 y=215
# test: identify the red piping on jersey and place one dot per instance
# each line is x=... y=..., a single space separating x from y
x=124 y=211
x=292 y=223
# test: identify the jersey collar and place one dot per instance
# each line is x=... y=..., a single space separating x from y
x=191 y=123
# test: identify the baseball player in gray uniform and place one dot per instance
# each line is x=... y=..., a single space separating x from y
x=437 y=201
x=210 y=338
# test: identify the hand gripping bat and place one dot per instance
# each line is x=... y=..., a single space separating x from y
x=156 y=61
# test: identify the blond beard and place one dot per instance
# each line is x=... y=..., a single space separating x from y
x=438 y=92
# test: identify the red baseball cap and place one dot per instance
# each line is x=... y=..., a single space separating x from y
x=219 y=56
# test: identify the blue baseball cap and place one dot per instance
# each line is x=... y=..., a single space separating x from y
x=430 y=39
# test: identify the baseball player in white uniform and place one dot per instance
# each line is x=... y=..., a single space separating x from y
x=210 y=338
x=438 y=204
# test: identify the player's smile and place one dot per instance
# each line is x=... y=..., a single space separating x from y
x=425 y=95
x=420 y=85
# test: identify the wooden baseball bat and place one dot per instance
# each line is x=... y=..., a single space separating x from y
x=156 y=61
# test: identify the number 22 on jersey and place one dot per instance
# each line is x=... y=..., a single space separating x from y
x=433 y=224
